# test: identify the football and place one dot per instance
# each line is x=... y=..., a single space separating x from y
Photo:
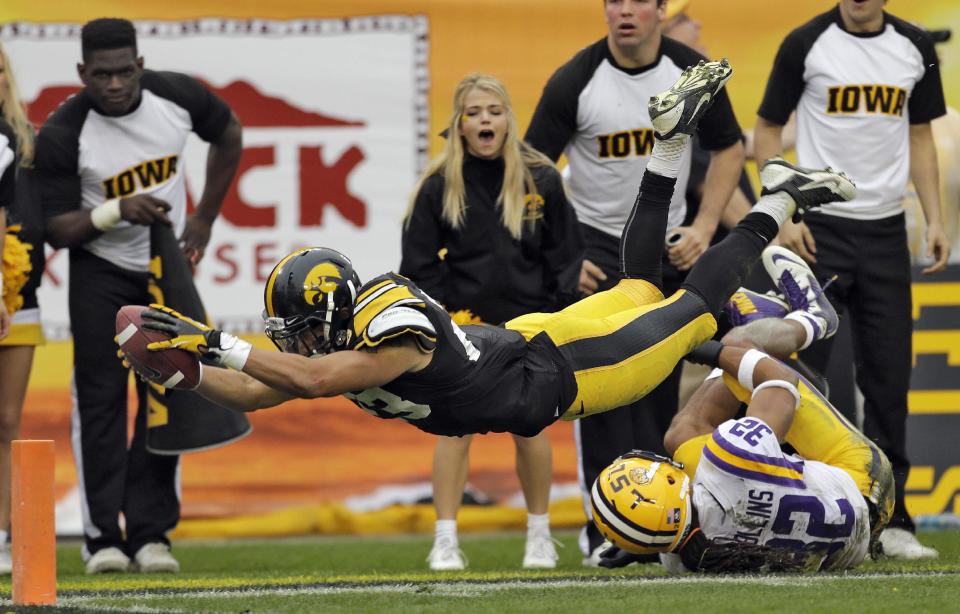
x=170 y=368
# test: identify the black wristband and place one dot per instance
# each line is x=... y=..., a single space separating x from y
x=707 y=353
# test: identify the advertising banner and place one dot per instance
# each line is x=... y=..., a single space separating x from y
x=335 y=119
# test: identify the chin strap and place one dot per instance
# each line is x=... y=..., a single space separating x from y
x=692 y=549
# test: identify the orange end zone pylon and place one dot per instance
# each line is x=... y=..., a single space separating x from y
x=32 y=522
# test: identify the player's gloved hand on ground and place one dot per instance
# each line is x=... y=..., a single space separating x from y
x=213 y=346
x=613 y=557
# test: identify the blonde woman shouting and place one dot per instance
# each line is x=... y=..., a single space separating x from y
x=490 y=235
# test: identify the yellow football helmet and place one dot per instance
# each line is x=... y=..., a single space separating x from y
x=641 y=503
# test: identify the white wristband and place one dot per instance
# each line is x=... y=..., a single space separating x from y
x=106 y=215
x=802 y=318
x=233 y=351
x=779 y=383
x=747 y=365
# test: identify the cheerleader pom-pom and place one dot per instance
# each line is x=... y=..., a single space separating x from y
x=16 y=269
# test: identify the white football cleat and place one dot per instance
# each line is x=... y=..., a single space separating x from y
x=808 y=304
x=446 y=555
x=155 y=557
x=902 y=544
x=593 y=559
x=108 y=560
x=677 y=110
x=809 y=188
x=540 y=551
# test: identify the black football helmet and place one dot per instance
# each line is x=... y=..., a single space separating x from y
x=308 y=301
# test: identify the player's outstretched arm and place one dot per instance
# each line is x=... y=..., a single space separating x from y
x=713 y=403
x=292 y=374
x=238 y=391
x=775 y=397
x=775 y=336
x=336 y=373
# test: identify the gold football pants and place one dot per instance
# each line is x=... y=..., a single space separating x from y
x=819 y=432
x=621 y=343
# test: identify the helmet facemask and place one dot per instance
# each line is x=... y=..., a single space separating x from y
x=295 y=335
x=309 y=301
x=307 y=336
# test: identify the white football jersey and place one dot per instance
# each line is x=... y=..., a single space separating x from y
x=748 y=490
x=595 y=112
x=85 y=158
x=856 y=95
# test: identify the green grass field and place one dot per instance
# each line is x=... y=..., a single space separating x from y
x=389 y=574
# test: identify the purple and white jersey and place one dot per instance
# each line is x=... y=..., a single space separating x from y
x=747 y=489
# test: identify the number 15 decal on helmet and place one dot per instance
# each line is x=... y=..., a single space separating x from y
x=308 y=302
x=641 y=503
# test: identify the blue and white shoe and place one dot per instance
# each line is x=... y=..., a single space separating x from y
x=677 y=110
x=745 y=306
x=809 y=188
x=808 y=304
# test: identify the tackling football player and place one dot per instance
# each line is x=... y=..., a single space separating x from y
x=395 y=352
x=731 y=500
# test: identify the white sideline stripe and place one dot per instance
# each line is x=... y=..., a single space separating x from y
x=125 y=335
x=173 y=380
x=467 y=588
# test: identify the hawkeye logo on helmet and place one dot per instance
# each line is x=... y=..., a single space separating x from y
x=320 y=281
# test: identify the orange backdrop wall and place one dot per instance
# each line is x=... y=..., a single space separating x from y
x=321 y=451
x=523 y=42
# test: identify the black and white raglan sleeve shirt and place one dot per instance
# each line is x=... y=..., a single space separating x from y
x=8 y=166
x=856 y=96
x=85 y=158
x=596 y=112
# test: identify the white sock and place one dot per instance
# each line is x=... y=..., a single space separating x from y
x=778 y=205
x=445 y=529
x=538 y=523
x=3 y=540
x=666 y=156
x=807 y=321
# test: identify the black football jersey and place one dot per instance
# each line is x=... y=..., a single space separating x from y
x=481 y=378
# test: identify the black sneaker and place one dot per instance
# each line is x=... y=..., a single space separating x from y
x=809 y=188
